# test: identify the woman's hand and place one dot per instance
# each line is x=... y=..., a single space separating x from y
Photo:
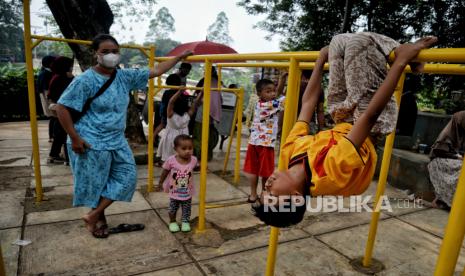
x=185 y=54
x=79 y=146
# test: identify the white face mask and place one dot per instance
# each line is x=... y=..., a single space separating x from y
x=109 y=60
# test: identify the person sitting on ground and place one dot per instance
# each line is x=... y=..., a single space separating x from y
x=446 y=160
x=259 y=159
x=342 y=160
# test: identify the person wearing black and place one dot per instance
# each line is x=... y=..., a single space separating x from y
x=62 y=68
x=43 y=81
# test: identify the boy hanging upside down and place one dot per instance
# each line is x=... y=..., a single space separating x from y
x=340 y=161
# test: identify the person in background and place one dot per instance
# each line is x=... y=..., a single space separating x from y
x=320 y=109
x=446 y=160
x=178 y=115
x=43 y=81
x=62 y=69
x=183 y=71
x=216 y=101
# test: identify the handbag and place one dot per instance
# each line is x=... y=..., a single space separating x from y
x=77 y=115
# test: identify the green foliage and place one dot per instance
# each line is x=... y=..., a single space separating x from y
x=310 y=24
x=14 y=75
x=219 y=30
x=14 y=94
x=11 y=34
x=161 y=26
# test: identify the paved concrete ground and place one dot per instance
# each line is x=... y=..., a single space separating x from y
x=235 y=242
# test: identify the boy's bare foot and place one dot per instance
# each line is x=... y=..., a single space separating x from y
x=407 y=52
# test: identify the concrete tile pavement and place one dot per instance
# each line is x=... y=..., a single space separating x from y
x=407 y=243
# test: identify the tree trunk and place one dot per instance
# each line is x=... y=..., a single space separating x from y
x=84 y=19
x=134 y=130
x=347 y=13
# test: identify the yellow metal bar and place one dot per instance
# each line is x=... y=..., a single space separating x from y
x=144 y=52
x=214 y=206
x=75 y=41
x=151 y=122
x=222 y=89
x=237 y=163
x=32 y=100
x=36 y=43
x=456 y=55
x=84 y=42
x=455 y=230
x=204 y=150
x=231 y=135
x=382 y=182
x=288 y=122
x=449 y=69
x=303 y=56
x=431 y=68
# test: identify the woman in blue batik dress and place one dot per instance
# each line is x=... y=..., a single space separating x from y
x=101 y=160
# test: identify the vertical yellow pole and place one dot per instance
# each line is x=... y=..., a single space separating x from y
x=32 y=100
x=289 y=119
x=231 y=135
x=237 y=163
x=204 y=151
x=382 y=182
x=455 y=230
x=151 y=120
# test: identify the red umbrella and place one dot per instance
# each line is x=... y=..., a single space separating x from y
x=202 y=48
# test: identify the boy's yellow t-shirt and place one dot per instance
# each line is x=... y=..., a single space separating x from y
x=337 y=168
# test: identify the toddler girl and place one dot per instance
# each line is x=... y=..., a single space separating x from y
x=179 y=184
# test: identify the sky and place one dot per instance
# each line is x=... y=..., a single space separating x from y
x=192 y=19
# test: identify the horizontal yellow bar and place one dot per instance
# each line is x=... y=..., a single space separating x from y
x=228 y=204
x=456 y=55
x=85 y=42
x=450 y=69
x=230 y=90
x=302 y=56
x=302 y=65
x=428 y=55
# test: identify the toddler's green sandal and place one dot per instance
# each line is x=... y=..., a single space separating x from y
x=185 y=227
x=174 y=227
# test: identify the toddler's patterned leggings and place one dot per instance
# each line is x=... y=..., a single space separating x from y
x=185 y=208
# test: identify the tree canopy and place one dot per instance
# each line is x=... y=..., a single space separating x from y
x=219 y=30
x=11 y=33
x=310 y=24
x=162 y=26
